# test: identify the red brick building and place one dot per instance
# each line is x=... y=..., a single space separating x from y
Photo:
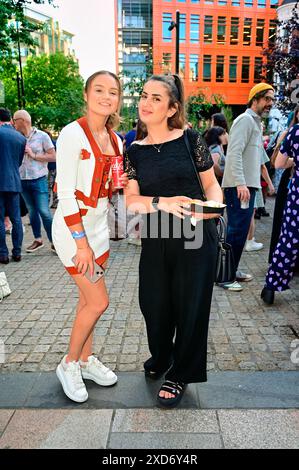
x=220 y=43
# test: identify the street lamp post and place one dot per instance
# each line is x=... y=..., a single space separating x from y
x=176 y=24
x=20 y=78
x=19 y=91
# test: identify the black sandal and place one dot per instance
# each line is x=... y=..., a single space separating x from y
x=175 y=388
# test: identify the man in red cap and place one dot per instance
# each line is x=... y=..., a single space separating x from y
x=242 y=172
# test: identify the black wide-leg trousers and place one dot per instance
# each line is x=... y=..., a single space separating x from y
x=175 y=292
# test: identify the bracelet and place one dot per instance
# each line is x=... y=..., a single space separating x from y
x=77 y=235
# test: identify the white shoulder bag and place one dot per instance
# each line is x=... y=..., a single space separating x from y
x=4 y=286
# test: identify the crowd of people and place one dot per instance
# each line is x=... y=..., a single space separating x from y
x=168 y=166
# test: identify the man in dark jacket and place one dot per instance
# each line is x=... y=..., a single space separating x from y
x=12 y=148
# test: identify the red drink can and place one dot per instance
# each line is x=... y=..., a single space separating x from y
x=117 y=166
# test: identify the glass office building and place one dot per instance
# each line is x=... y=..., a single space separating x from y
x=134 y=39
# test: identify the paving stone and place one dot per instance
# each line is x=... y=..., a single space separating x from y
x=257 y=429
x=38 y=316
x=182 y=421
x=164 y=441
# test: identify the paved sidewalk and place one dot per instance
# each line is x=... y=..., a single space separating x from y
x=250 y=400
x=149 y=429
x=232 y=410
x=36 y=319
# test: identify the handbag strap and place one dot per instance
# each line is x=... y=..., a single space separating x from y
x=221 y=228
x=187 y=143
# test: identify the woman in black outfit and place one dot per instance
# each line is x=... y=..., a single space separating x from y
x=177 y=269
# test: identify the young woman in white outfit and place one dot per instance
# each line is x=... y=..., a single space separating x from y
x=80 y=229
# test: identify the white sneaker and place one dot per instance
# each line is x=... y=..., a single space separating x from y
x=134 y=241
x=243 y=277
x=252 y=245
x=233 y=286
x=96 y=371
x=70 y=377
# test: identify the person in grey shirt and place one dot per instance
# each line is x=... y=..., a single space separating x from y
x=242 y=173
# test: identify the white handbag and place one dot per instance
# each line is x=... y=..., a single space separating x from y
x=4 y=286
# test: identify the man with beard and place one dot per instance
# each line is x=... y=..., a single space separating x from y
x=242 y=173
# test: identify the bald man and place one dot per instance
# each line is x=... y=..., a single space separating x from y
x=39 y=151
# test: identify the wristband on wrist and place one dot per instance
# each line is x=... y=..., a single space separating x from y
x=78 y=235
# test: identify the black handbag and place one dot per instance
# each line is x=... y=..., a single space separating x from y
x=225 y=266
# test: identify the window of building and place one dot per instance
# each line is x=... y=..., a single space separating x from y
x=209 y=2
x=233 y=62
x=272 y=31
x=221 y=31
x=166 y=62
x=194 y=1
x=261 y=3
x=134 y=57
x=167 y=19
x=234 y=31
x=220 y=68
x=133 y=14
x=247 y=31
x=208 y=31
x=182 y=1
x=274 y=3
x=136 y=38
x=235 y=3
x=260 y=26
x=222 y=2
x=194 y=67
x=245 y=69
x=258 y=67
x=207 y=62
x=248 y=3
x=182 y=65
x=194 y=29
x=134 y=71
x=182 y=27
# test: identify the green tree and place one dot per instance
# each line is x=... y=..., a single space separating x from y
x=201 y=104
x=54 y=90
x=15 y=30
x=8 y=74
x=14 y=26
x=282 y=56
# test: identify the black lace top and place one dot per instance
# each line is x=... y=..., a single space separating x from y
x=169 y=172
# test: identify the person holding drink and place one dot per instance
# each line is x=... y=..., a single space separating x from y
x=176 y=276
x=85 y=150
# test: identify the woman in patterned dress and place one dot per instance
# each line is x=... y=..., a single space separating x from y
x=285 y=254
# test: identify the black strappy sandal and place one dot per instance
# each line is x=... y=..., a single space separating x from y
x=175 y=388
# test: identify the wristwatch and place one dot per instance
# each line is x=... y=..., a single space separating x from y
x=155 y=202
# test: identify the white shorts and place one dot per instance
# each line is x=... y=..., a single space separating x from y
x=95 y=224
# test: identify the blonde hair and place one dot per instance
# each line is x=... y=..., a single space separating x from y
x=114 y=119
